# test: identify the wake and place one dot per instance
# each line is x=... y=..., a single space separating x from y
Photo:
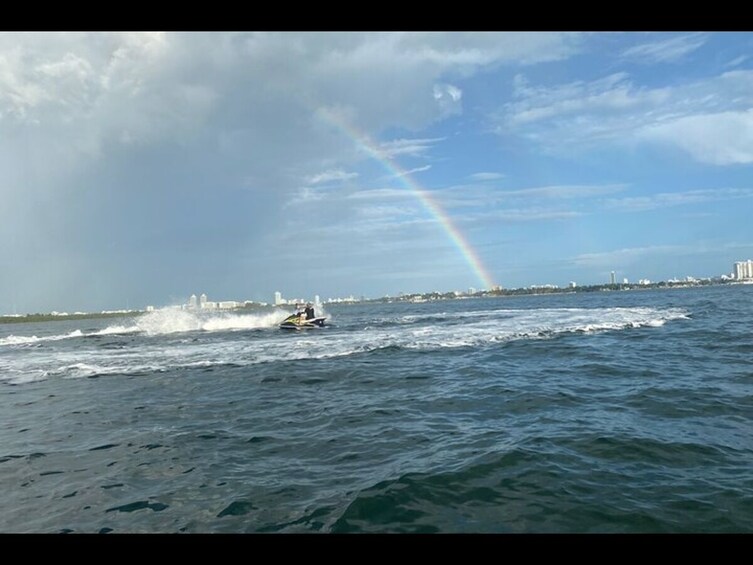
x=166 y=321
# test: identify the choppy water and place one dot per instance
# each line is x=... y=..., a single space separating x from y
x=608 y=412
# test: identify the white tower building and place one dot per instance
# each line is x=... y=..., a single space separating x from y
x=743 y=270
x=192 y=301
x=611 y=278
x=278 y=298
x=203 y=300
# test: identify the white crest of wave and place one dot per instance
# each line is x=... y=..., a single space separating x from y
x=243 y=322
x=464 y=329
x=168 y=320
x=475 y=328
x=25 y=340
x=18 y=340
x=111 y=330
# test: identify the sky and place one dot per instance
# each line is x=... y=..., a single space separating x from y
x=140 y=168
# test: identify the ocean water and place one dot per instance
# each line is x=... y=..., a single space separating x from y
x=590 y=412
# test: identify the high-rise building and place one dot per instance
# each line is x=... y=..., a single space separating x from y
x=317 y=302
x=192 y=301
x=611 y=278
x=203 y=300
x=278 y=298
x=744 y=270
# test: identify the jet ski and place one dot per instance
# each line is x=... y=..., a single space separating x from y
x=298 y=322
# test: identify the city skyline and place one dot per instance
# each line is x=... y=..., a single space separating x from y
x=741 y=271
x=376 y=163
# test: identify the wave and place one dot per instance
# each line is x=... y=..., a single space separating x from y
x=462 y=330
x=26 y=340
x=168 y=321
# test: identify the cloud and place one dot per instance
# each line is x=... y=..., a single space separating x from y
x=381 y=194
x=710 y=118
x=565 y=191
x=352 y=68
x=666 y=199
x=614 y=93
x=486 y=176
x=724 y=138
x=736 y=61
x=331 y=175
x=532 y=215
x=448 y=97
x=671 y=50
x=103 y=90
x=476 y=203
x=410 y=147
x=150 y=150
x=411 y=172
x=660 y=256
x=476 y=200
x=630 y=255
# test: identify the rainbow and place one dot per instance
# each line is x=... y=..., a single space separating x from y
x=364 y=142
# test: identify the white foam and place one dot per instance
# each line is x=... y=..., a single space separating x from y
x=477 y=328
x=244 y=322
x=117 y=330
x=18 y=340
x=148 y=355
x=23 y=340
x=168 y=321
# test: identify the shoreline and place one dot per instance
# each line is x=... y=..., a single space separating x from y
x=410 y=298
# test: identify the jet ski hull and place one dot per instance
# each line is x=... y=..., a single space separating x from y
x=295 y=323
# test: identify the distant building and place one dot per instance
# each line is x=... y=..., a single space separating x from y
x=573 y=284
x=150 y=308
x=611 y=278
x=644 y=282
x=744 y=270
x=228 y=304
x=317 y=302
x=471 y=290
x=203 y=300
x=278 y=298
x=192 y=301
x=625 y=281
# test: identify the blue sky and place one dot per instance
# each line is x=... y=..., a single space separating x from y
x=139 y=168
